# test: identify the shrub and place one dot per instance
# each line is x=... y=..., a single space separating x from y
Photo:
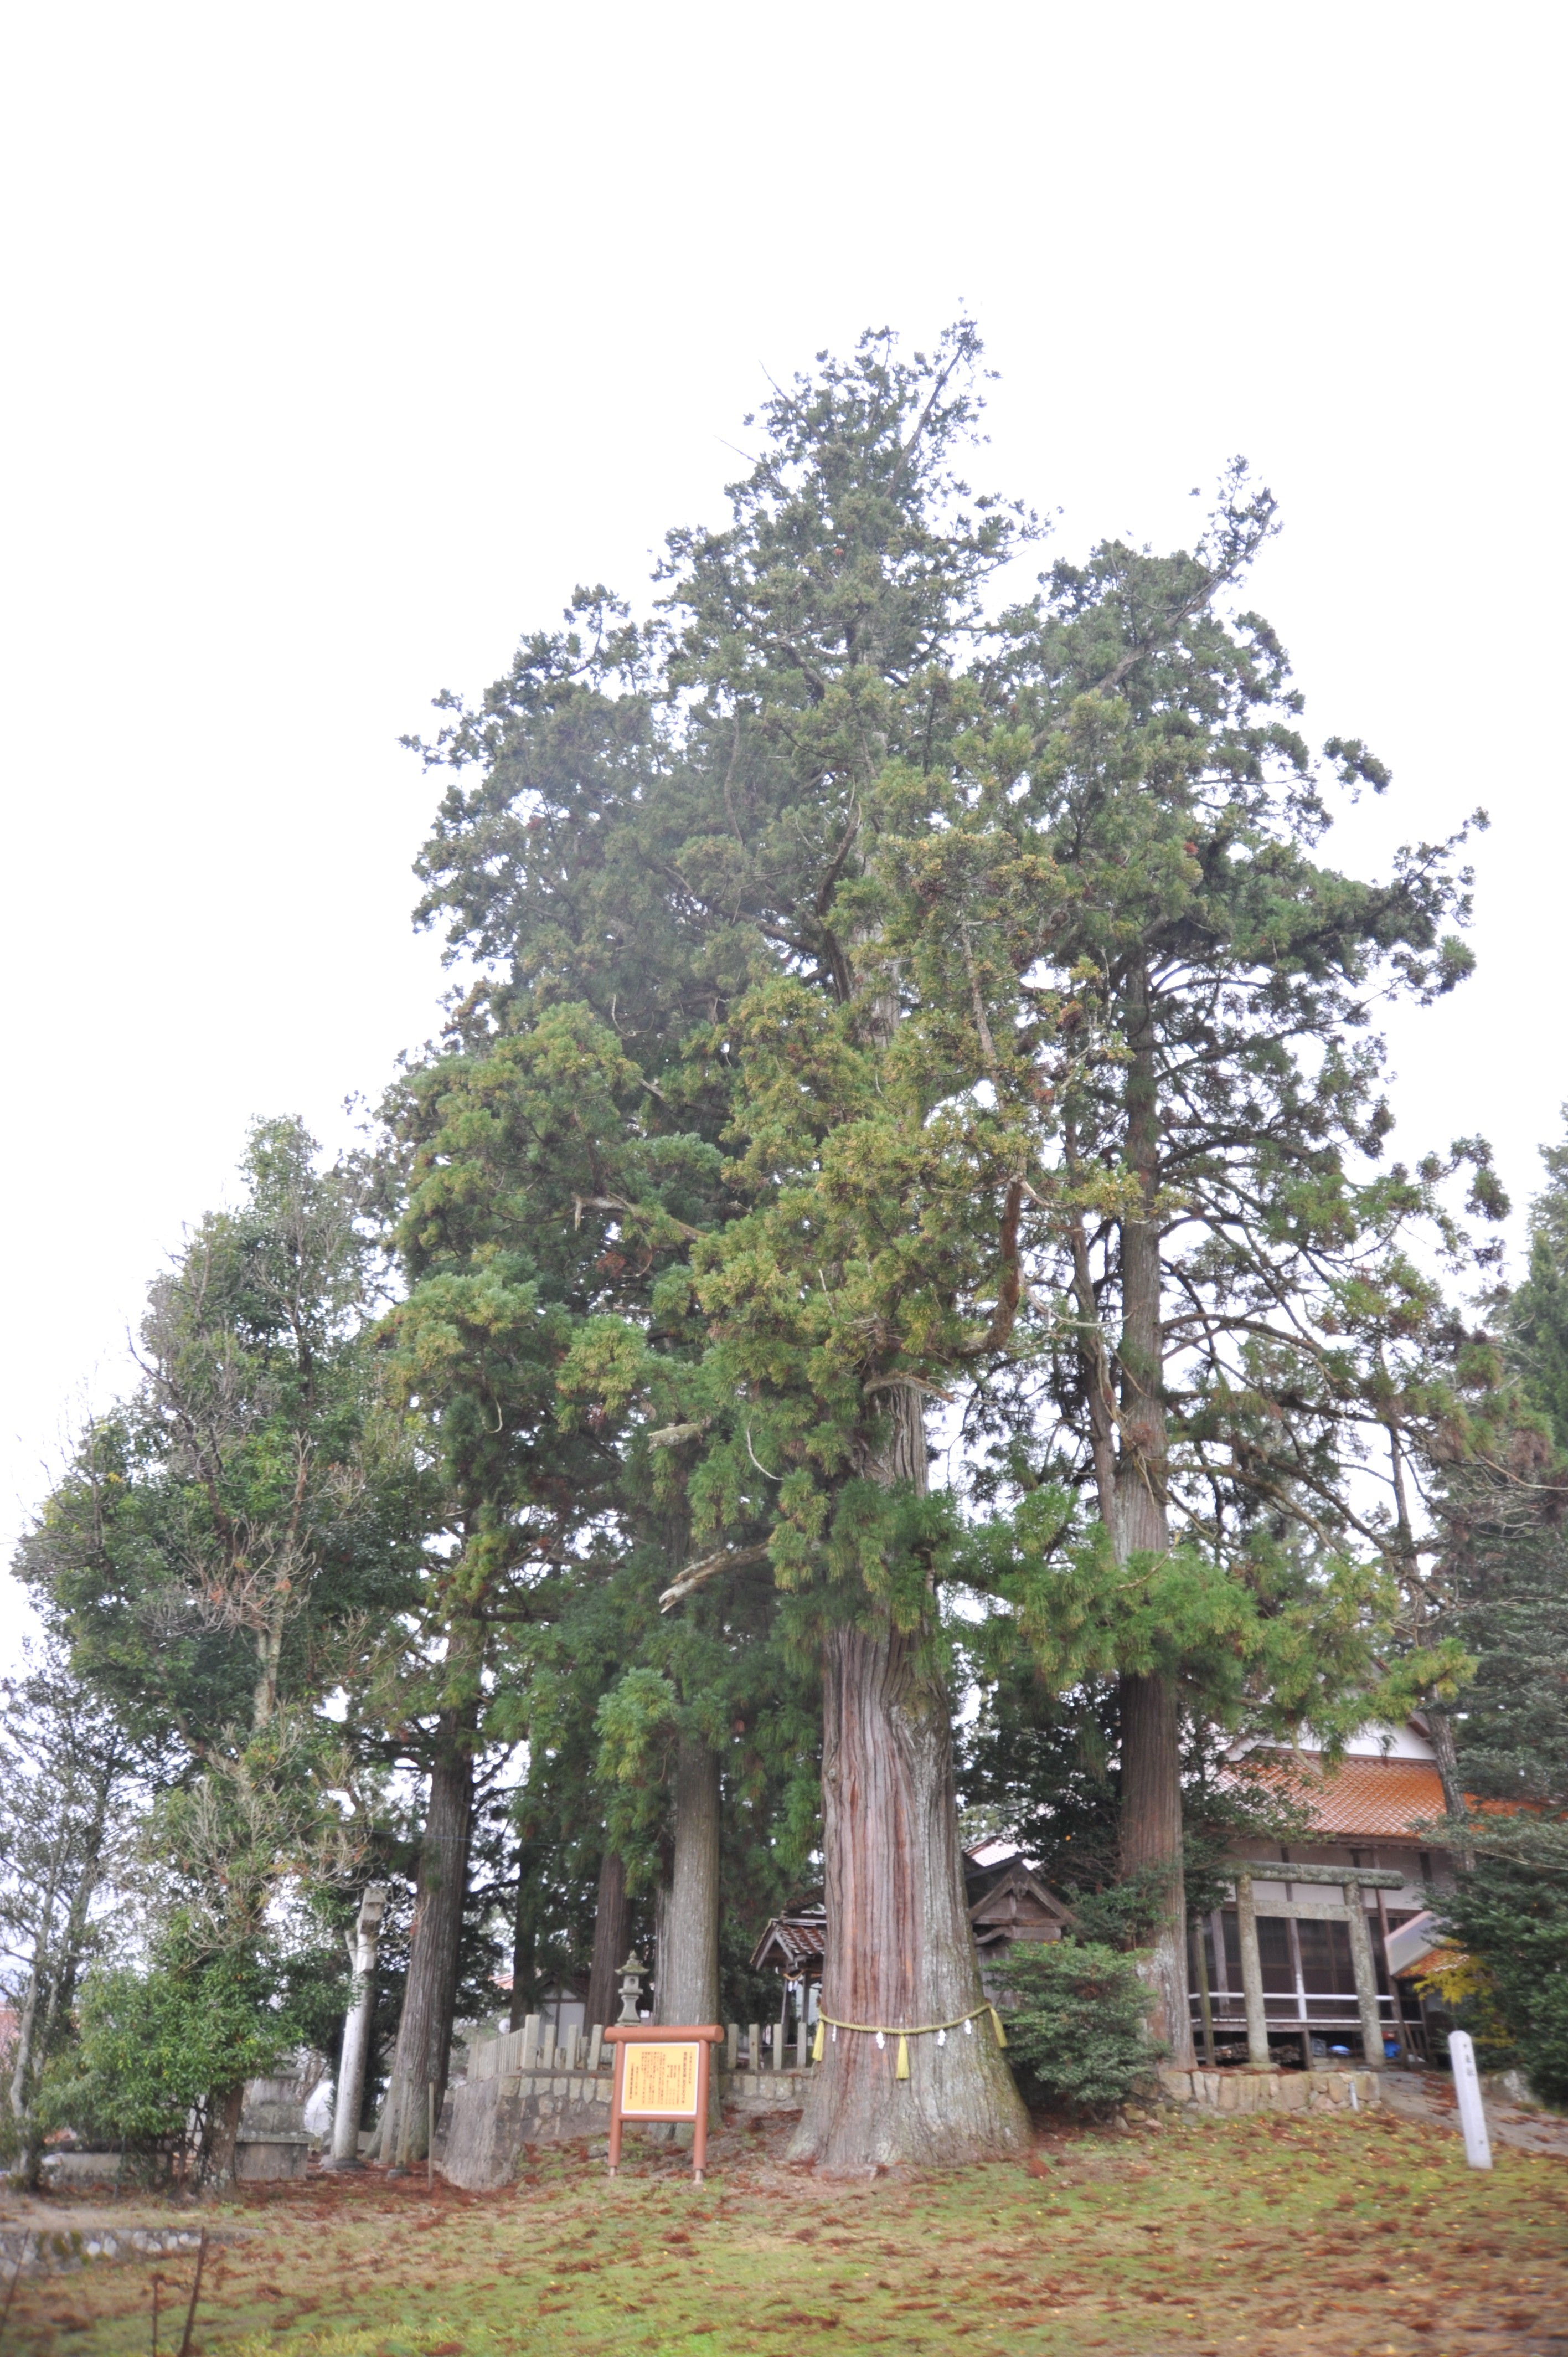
x=1078 y=2021
x=1510 y=1912
x=157 y=2047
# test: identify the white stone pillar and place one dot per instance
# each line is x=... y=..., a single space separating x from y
x=1468 y=2087
x=363 y=1944
x=1366 y=1979
x=1252 y=1976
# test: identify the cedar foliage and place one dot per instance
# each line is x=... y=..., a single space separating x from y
x=1506 y=1594
x=892 y=992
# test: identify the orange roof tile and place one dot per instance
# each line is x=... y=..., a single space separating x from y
x=1357 y=1798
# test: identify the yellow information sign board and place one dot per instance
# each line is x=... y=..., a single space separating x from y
x=662 y=2078
x=662 y=2074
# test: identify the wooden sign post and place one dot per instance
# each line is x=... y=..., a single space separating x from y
x=662 y=2074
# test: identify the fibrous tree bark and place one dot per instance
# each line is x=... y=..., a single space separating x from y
x=1151 y=1841
x=424 y=2031
x=900 y=1948
x=1139 y=1523
x=612 y=1936
x=689 y=1990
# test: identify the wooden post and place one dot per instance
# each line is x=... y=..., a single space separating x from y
x=1252 y=1976
x=700 y=2124
x=779 y=2063
x=1221 y=1967
x=1366 y=1979
x=1401 y=2032
x=196 y=2295
x=1203 y=1996
x=1293 y=1932
x=618 y=2066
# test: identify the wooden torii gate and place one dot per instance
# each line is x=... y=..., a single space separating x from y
x=1350 y=1881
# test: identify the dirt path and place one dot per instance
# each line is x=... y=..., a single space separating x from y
x=1428 y=2096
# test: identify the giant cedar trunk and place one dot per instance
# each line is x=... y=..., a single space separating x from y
x=900 y=1949
x=612 y=1938
x=1150 y=1713
x=424 y=2031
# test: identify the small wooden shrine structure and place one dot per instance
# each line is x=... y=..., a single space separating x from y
x=794 y=1943
x=1007 y=1904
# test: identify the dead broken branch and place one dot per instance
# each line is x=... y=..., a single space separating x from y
x=706 y=1568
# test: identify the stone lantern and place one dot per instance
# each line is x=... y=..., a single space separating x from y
x=631 y=1979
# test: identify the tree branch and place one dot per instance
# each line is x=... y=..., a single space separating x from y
x=706 y=1568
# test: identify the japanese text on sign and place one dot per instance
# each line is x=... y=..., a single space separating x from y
x=661 y=2078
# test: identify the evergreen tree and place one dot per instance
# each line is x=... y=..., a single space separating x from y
x=219 y=1559
x=547 y=1200
x=65 y=1781
x=1512 y=1551
x=792 y=672
x=1245 y=1349
x=997 y=959
x=1502 y=1589
x=221 y=1541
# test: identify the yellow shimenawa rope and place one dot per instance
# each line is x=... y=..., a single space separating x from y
x=918 y=2029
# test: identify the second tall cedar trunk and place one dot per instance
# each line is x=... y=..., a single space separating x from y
x=418 y=2081
x=689 y=1988
x=1139 y=1521
x=612 y=1938
x=1152 y=1841
x=900 y=1949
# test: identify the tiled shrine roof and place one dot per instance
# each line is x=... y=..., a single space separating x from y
x=1358 y=1798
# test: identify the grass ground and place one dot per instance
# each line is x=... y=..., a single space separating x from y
x=1365 y=2237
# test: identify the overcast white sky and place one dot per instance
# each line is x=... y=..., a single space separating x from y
x=342 y=340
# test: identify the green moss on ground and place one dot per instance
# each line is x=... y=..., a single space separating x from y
x=1350 y=2238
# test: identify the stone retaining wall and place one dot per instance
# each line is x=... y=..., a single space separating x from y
x=1269 y=2091
x=486 y=2122
x=57 y=2250
x=749 y=2092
